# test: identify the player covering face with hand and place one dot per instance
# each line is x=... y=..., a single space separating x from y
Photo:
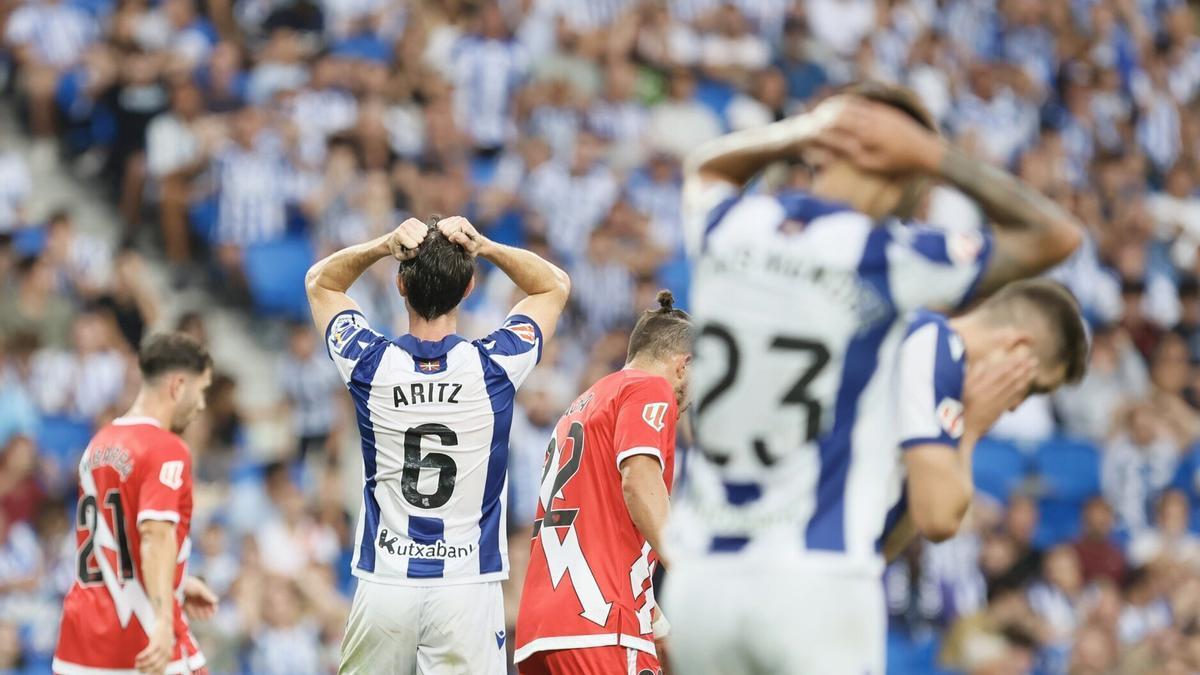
x=955 y=378
x=434 y=412
x=588 y=604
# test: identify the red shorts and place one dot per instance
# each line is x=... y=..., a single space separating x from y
x=591 y=661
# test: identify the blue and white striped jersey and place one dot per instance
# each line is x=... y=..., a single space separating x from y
x=799 y=307
x=930 y=371
x=434 y=419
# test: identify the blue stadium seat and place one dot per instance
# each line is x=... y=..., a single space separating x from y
x=999 y=467
x=715 y=96
x=63 y=438
x=1059 y=521
x=1069 y=469
x=275 y=273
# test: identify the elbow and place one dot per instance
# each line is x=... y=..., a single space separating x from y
x=1067 y=238
x=940 y=522
x=312 y=278
x=937 y=529
x=561 y=287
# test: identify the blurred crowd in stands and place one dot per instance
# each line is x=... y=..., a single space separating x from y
x=239 y=139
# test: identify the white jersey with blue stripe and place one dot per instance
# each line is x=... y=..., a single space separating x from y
x=930 y=373
x=434 y=419
x=798 y=304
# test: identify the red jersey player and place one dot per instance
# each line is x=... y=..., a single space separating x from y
x=588 y=605
x=135 y=504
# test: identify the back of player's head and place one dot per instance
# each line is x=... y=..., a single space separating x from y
x=895 y=96
x=1049 y=302
x=172 y=352
x=436 y=279
x=661 y=332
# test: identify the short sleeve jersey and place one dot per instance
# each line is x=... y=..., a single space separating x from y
x=588 y=582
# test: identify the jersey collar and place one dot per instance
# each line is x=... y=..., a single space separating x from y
x=131 y=420
x=425 y=349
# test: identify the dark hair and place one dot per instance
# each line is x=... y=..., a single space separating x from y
x=900 y=98
x=661 y=332
x=1057 y=307
x=167 y=352
x=436 y=279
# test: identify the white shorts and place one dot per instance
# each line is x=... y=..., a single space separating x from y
x=730 y=617
x=430 y=630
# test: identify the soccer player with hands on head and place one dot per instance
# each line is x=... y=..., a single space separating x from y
x=802 y=302
x=434 y=412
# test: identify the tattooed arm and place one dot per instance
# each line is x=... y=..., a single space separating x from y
x=1032 y=233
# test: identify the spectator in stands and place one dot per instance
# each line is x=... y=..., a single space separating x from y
x=178 y=143
x=47 y=37
x=83 y=263
x=21 y=488
x=310 y=392
x=34 y=306
x=15 y=187
x=1137 y=465
x=1099 y=555
x=89 y=378
x=487 y=68
x=1057 y=597
x=1170 y=538
x=1116 y=376
x=681 y=122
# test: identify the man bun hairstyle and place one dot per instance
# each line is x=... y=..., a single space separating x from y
x=661 y=332
x=170 y=352
x=436 y=279
x=1020 y=301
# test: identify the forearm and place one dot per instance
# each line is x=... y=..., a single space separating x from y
x=533 y=274
x=648 y=504
x=737 y=157
x=340 y=270
x=158 y=551
x=1007 y=201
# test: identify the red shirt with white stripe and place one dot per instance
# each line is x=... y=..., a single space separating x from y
x=133 y=470
x=588 y=583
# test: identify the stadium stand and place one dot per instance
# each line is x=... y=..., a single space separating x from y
x=176 y=163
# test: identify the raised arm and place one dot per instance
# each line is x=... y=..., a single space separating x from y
x=1031 y=234
x=545 y=286
x=328 y=280
x=735 y=158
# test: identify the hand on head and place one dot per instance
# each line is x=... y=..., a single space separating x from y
x=406 y=239
x=460 y=231
x=995 y=386
x=876 y=137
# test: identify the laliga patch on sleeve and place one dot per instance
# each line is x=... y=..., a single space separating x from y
x=950 y=416
x=655 y=414
x=524 y=331
x=171 y=474
x=963 y=247
x=344 y=327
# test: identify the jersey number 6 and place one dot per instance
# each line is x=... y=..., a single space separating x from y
x=437 y=461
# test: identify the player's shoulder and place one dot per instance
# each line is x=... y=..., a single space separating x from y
x=145 y=438
x=638 y=386
x=519 y=334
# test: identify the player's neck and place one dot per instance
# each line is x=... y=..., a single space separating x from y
x=977 y=339
x=646 y=366
x=432 y=330
x=145 y=406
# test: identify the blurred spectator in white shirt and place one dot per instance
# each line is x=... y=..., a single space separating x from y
x=730 y=52
x=1171 y=538
x=766 y=101
x=680 y=123
x=15 y=188
x=488 y=65
x=1137 y=465
x=841 y=24
x=1116 y=376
